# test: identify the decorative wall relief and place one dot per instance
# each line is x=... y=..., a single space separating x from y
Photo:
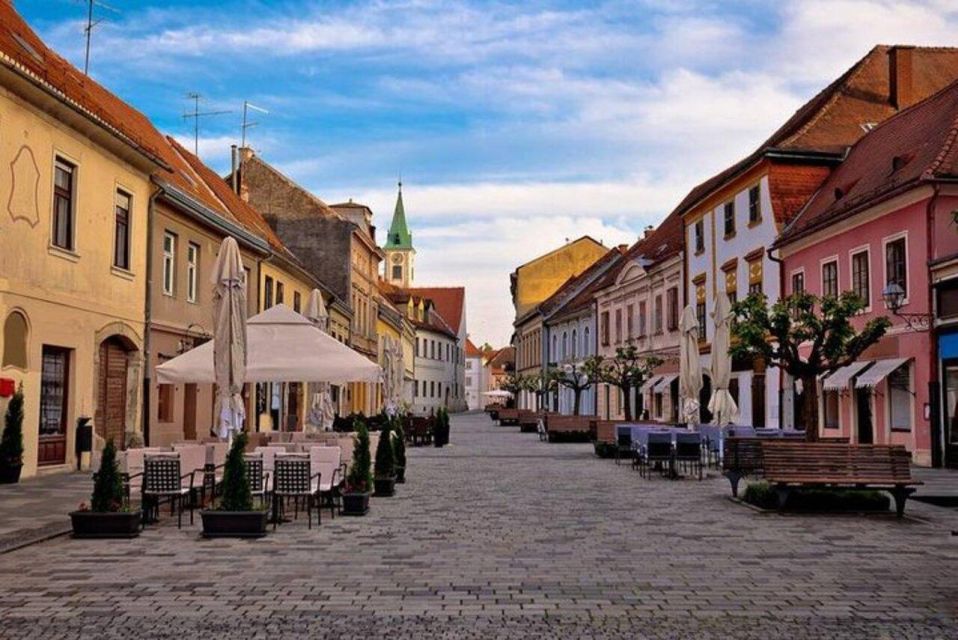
x=24 y=202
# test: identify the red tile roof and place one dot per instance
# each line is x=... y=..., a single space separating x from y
x=472 y=351
x=841 y=113
x=449 y=303
x=916 y=146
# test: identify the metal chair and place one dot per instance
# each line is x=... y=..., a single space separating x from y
x=162 y=479
x=688 y=450
x=658 y=450
x=258 y=478
x=623 y=445
x=326 y=462
x=292 y=479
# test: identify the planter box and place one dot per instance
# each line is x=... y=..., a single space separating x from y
x=10 y=474
x=356 y=504
x=400 y=475
x=385 y=487
x=234 y=524
x=120 y=524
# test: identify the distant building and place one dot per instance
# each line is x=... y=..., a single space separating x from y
x=476 y=376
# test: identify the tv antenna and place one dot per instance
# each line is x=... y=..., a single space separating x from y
x=247 y=105
x=196 y=115
x=91 y=23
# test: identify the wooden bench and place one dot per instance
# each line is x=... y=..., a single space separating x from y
x=793 y=465
x=508 y=417
x=568 y=428
x=742 y=457
x=528 y=420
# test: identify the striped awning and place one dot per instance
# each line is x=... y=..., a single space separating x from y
x=648 y=384
x=839 y=379
x=877 y=373
x=662 y=385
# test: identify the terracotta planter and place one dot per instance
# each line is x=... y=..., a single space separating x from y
x=356 y=504
x=234 y=524
x=120 y=524
x=10 y=474
x=385 y=487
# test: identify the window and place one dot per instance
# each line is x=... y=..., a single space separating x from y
x=830 y=278
x=415 y=388
x=192 y=270
x=629 y=321
x=604 y=328
x=755 y=276
x=618 y=326
x=948 y=298
x=268 y=292
x=555 y=347
x=575 y=344
x=899 y=398
x=642 y=319
x=586 y=345
x=54 y=391
x=700 y=316
x=754 y=205
x=672 y=302
x=657 y=315
x=164 y=403
x=729 y=211
x=831 y=409
x=565 y=345
x=895 y=269
x=417 y=347
x=281 y=294
x=15 y=341
x=860 y=276
x=297 y=301
x=121 y=232
x=432 y=388
x=397 y=272
x=169 y=263
x=798 y=282
x=63 y=206
x=700 y=236
x=468 y=381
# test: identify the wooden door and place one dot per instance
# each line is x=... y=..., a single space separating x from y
x=111 y=396
x=864 y=410
x=758 y=400
x=54 y=398
x=189 y=411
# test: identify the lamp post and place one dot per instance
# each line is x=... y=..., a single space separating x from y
x=893 y=295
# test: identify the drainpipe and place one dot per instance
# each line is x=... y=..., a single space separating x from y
x=781 y=372
x=148 y=312
x=934 y=385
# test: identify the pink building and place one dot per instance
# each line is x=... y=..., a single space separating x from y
x=883 y=223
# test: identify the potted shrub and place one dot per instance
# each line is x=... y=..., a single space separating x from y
x=385 y=480
x=359 y=480
x=399 y=449
x=108 y=515
x=11 y=443
x=235 y=516
x=440 y=436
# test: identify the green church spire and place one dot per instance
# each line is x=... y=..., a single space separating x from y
x=399 y=236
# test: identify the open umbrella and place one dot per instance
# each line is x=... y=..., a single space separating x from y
x=321 y=411
x=690 y=371
x=229 y=337
x=721 y=404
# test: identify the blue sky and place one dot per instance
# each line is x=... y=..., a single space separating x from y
x=515 y=125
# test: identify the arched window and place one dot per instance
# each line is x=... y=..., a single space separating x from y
x=585 y=342
x=575 y=344
x=15 y=341
x=555 y=347
x=565 y=344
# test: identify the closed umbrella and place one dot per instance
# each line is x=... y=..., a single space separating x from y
x=321 y=411
x=690 y=371
x=229 y=337
x=721 y=404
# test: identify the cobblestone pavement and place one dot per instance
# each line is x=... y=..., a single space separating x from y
x=501 y=536
x=34 y=509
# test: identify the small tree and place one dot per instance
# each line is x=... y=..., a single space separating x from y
x=578 y=379
x=236 y=491
x=107 y=484
x=360 y=476
x=11 y=443
x=385 y=456
x=549 y=386
x=626 y=371
x=820 y=327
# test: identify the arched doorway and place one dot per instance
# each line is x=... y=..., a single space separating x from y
x=705 y=416
x=112 y=388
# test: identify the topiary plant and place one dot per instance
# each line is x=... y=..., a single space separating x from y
x=385 y=456
x=360 y=476
x=11 y=443
x=107 y=483
x=399 y=442
x=236 y=493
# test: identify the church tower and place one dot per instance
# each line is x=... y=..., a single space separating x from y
x=400 y=255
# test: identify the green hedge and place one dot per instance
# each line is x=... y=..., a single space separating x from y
x=761 y=494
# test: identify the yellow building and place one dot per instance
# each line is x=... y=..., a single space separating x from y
x=74 y=200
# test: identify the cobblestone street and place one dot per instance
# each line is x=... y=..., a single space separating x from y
x=499 y=535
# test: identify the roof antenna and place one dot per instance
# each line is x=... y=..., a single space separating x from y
x=91 y=24
x=247 y=105
x=196 y=115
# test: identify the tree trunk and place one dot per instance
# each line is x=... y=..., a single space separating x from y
x=810 y=407
x=626 y=403
x=575 y=403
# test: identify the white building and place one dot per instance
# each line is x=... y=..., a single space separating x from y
x=476 y=377
x=438 y=363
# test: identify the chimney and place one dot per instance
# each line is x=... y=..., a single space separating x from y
x=900 y=72
x=647 y=231
x=234 y=171
x=243 y=154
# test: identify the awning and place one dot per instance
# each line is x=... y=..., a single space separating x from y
x=648 y=384
x=840 y=378
x=663 y=385
x=877 y=373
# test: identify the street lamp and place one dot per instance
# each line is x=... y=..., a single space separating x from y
x=893 y=295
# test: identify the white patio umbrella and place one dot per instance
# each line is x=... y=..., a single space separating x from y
x=321 y=410
x=690 y=371
x=282 y=346
x=229 y=337
x=721 y=404
x=497 y=393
